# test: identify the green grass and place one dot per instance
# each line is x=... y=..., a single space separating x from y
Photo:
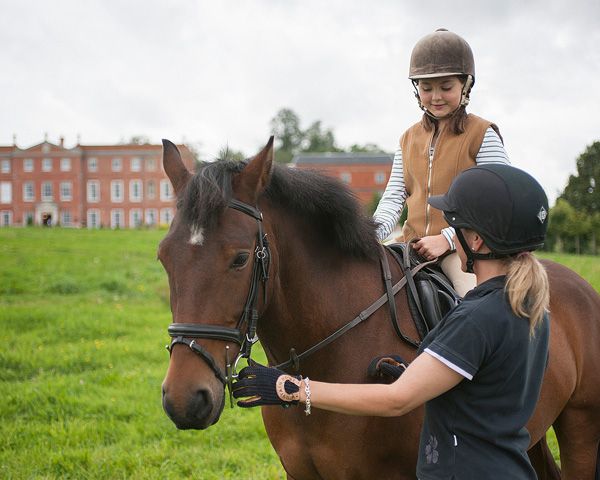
x=83 y=317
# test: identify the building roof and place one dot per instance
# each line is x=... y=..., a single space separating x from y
x=336 y=158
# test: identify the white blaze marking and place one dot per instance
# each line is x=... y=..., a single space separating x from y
x=197 y=237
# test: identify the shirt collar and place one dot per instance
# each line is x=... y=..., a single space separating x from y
x=495 y=283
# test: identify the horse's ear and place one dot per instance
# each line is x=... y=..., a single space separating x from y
x=174 y=167
x=255 y=177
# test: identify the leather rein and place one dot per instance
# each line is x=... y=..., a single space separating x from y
x=182 y=332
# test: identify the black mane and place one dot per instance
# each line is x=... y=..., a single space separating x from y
x=325 y=201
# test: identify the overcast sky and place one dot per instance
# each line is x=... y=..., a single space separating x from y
x=215 y=72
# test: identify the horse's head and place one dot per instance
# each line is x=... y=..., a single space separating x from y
x=216 y=259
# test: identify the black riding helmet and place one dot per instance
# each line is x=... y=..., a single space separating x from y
x=506 y=206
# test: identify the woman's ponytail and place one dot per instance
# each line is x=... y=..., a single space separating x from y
x=527 y=288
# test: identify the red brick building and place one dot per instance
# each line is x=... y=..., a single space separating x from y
x=116 y=186
x=366 y=173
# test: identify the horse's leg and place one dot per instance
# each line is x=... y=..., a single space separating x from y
x=543 y=462
x=578 y=434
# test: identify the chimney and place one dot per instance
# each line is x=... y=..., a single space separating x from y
x=62 y=141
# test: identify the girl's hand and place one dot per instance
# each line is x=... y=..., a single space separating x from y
x=432 y=246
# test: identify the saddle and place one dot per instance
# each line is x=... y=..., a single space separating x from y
x=430 y=293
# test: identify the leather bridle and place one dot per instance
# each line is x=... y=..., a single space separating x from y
x=182 y=332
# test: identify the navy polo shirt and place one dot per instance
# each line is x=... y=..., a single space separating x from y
x=476 y=430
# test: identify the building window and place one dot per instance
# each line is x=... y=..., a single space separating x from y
x=136 y=164
x=65 y=219
x=93 y=191
x=47 y=195
x=65 y=164
x=46 y=165
x=151 y=189
x=116 y=218
x=92 y=164
x=379 y=177
x=28 y=165
x=66 y=191
x=135 y=218
x=93 y=219
x=6 y=218
x=165 y=191
x=28 y=192
x=135 y=191
x=346 y=177
x=5 y=168
x=166 y=215
x=117 y=164
x=151 y=217
x=5 y=192
x=151 y=164
x=116 y=191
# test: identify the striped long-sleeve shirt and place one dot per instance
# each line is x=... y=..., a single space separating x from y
x=392 y=202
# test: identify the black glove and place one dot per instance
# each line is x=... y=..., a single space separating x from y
x=266 y=386
x=392 y=365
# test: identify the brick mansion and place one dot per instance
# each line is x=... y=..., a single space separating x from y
x=91 y=186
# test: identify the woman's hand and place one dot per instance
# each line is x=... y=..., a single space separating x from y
x=432 y=246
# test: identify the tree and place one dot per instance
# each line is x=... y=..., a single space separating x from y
x=318 y=140
x=286 y=128
x=583 y=189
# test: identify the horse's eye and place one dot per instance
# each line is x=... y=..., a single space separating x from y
x=240 y=260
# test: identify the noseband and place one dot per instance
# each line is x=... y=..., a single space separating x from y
x=182 y=332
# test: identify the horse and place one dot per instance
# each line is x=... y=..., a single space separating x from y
x=288 y=254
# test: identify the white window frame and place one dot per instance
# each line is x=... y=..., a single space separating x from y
x=135 y=218
x=47 y=192
x=65 y=218
x=93 y=191
x=65 y=164
x=93 y=218
x=151 y=164
x=6 y=192
x=46 y=164
x=151 y=189
x=136 y=164
x=346 y=177
x=117 y=218
x=66 y=191
x=117 y=164
x=135 y=191
x=28 y=192
x=117 y=192
x=151 y=219
x=6 y=218
x=92 y=164
x=166 y=216
x=5 y=168
x=28 y=164
x=166 y=191
x=379 y=178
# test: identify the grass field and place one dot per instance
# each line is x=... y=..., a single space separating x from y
x=83 y=316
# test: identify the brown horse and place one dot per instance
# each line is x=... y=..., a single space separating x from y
x=288 y=251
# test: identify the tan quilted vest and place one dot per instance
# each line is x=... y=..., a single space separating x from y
x=425 y=177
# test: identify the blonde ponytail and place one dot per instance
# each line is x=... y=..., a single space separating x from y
x=527 y=289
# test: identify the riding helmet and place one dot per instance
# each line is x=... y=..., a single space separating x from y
x=506 y=206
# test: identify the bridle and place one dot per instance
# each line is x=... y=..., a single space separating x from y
x=182 y=332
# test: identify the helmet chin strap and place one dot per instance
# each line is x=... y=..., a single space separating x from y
x=471 y=255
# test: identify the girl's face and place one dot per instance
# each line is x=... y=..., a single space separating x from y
x=441 y=95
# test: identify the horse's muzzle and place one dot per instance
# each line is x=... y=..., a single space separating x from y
x=198 y=410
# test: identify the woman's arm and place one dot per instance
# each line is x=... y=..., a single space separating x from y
x=424 y=379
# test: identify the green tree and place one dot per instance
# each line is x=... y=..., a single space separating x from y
x=560 y=223
x=286 y=128
x=583 y=190
x=366 y=148
x=319 y=140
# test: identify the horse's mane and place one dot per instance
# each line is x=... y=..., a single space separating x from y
x=325 y=202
